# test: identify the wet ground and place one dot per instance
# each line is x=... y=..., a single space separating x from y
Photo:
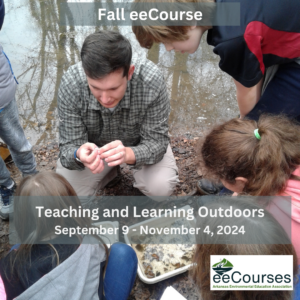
x=183 y=148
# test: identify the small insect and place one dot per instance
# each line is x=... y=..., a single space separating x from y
x=184 y=257
x=150 y=275
x=155 y=256
x=176 y=266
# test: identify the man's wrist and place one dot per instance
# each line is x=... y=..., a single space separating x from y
x=130 y=156
x=76 y=153
x=77 y=159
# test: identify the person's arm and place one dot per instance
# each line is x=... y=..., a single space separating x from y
x=72 y=131
x=247 y=97
x=2 y=290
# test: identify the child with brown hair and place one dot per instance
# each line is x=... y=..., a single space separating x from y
x=268 y=36
x=259 y=159
x=46 y=266
x=262 y=55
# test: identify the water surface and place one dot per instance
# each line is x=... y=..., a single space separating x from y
x=41 y=50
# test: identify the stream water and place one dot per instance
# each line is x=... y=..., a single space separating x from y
x=41 y=50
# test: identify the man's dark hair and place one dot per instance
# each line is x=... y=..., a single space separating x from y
x=104 y=52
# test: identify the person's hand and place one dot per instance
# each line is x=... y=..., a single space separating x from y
x=89 y=156
x=115 y=153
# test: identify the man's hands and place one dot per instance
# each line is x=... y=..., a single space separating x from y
x=89 y=155
x=113 y=153
x=116 y=154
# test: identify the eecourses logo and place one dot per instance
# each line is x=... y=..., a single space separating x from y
x=222 y=266
x=251 y=272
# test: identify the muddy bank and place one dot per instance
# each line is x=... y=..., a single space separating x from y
x=183 y=149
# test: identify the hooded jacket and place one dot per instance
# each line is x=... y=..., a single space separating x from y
x=76 y=278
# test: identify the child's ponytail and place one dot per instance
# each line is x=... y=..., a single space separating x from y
x=266 y=153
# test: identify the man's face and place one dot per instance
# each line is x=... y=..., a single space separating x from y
x=110 y=89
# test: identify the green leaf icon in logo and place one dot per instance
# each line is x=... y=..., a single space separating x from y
x=222 y=266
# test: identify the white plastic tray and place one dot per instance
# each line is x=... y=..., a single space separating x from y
x=159 y=221
x=109 y=239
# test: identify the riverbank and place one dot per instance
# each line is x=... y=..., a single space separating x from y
x=183 y=148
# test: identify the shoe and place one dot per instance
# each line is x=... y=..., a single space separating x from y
x=207 y=187
x=6 y=206
x=5 y=210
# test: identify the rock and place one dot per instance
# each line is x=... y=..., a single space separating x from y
x=181 y=151
x=199 y=171
x=2 y=233
x=189 y=162
x=43 y=164
x=188 y=135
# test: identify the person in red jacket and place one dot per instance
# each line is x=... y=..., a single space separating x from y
x=268 y=35
x=262 y=55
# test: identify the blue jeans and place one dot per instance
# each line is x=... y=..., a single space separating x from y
x=11 y=132
x=120 y=272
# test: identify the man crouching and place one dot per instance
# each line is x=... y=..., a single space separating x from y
x=113 y=112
